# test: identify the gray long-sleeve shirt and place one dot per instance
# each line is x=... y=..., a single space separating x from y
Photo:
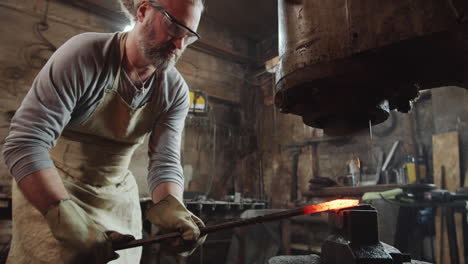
x=68 y=89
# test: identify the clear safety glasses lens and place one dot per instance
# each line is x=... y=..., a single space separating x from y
x=177 y=31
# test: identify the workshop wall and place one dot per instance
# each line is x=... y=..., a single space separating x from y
x=211 y=144
x=436 y=111
x=282 y=136
x=275 y=131
x=23 y=52
x=450 y=107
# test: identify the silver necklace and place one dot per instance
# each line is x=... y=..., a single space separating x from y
x=143 y=83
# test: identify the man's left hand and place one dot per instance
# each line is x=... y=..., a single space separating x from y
x=170 y=215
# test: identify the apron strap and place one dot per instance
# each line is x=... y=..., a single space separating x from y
x=122 y=40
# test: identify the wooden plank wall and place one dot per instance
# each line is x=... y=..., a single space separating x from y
x=446 y=154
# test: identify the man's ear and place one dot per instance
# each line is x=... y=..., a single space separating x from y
x=142 y=11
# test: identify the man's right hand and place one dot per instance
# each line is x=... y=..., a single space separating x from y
x=83 y=240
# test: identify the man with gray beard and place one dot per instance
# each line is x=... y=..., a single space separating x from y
x=72 y=138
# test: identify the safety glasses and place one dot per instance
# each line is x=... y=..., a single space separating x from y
x=175 y=28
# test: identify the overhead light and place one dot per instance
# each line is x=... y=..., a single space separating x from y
x=129 y=27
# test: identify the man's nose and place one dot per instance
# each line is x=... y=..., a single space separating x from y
x=179 y=43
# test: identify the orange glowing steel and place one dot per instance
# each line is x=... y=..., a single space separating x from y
x=331 y=205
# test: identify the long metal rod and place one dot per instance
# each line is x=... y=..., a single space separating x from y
x=390 y=155
x=316 y=208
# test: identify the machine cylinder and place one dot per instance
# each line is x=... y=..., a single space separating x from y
x=346 y=63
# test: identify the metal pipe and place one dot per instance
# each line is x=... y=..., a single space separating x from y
x=390 y=155
x=294 y=176
x=311 y=209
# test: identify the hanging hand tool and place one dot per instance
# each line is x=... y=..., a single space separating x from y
x=310 y=209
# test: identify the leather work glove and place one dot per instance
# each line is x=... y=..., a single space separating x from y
x=170 y=215
x=84 y=241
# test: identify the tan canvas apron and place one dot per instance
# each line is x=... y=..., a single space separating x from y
x=92 y=159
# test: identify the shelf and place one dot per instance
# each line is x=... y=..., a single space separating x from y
x=349 y=190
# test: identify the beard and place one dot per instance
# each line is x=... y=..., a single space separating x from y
x=160 y=55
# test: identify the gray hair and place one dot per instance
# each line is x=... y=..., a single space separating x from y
x=130 y=7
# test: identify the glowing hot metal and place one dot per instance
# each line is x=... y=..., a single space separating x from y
x=310 y=209
x=328 y=206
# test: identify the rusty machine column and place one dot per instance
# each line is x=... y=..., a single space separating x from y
x=345 y=63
